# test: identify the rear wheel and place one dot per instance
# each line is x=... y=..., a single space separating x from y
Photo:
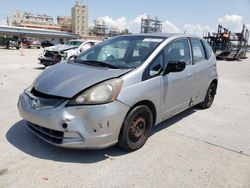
x=136 y=128
x=209 y=97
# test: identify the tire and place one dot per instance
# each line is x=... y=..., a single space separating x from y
x=44 y=63
x=136 y=128
x=208 y=101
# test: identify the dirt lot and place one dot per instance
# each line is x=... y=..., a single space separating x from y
x=198 y=148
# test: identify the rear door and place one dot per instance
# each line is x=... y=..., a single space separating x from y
x=201 y=74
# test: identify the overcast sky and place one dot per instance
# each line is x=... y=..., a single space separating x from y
x=193 y=16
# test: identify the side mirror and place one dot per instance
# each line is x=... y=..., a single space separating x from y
x=81 y=49
x=175 y=66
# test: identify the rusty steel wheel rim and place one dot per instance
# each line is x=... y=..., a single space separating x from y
x=137 y=129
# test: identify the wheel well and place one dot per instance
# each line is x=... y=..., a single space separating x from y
x=149 y=104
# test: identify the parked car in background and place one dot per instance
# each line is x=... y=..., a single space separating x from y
x=47 y=43
x=116 y=91
x=8 y=42
x=55 y=54
x=30 y=42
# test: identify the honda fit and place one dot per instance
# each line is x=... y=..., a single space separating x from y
x=116 y=91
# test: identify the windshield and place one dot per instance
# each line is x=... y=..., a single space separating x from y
x=121 y=52
x=74 y=43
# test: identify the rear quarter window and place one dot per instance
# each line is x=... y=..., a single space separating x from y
x=198 y=51
x=208 y=49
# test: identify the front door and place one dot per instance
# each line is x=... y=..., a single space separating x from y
x=177 y=87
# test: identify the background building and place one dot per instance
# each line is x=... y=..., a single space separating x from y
x=79 y=16
x=31 y=20
x=99 y=29
x=39 y=34
x=77 y=23
x=65 y=22
x=149 y=25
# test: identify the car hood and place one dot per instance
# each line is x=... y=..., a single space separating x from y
x=67 y=79
x=61 y=47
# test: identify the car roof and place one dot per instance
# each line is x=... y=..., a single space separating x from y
x=85 y=40
x=165 y=35
x=80 y=40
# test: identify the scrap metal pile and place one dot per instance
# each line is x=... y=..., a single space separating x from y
x=228 y=45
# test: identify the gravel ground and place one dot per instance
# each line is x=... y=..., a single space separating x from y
x=197 y=148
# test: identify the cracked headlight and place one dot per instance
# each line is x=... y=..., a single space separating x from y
x=101 y=93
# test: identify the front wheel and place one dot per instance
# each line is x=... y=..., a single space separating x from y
x=209 y=97
x=136 y=128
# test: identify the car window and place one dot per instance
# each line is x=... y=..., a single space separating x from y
x=113 y=51
x=74 y=43
x=198 y=51
x=178 y=51
x=142 y=48
x=123 y=52
x=85 y=46
x=154 y=68
x=208 y=49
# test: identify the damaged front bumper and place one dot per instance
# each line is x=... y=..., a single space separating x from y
x=90 y=126
x=47 y=61
x=50 y=58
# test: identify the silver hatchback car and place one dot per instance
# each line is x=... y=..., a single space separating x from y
x=116 y=91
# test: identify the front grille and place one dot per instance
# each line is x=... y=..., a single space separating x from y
x=40 y=100
x=44 y=95
x=48 y=134
x=50 y=54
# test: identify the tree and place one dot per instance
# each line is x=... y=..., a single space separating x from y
x=125 y=32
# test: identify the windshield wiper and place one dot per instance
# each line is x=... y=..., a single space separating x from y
x=99 y=63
